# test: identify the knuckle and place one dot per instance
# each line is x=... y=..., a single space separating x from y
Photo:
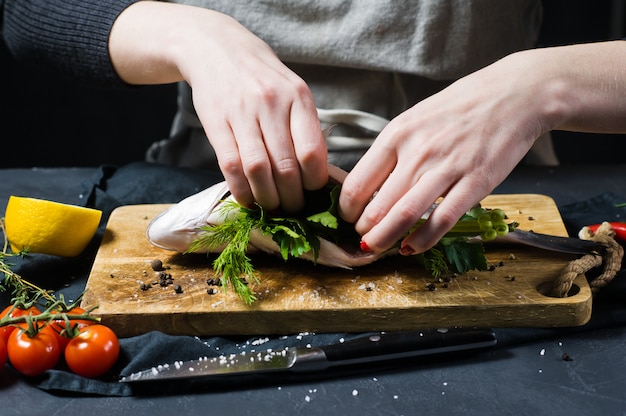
x=301 y=88
x=286 y=167
x=371 y=216
x=229 y=163
x=265 y=92
x=254 y=166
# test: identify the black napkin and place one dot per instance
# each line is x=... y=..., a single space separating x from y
x=137 y=183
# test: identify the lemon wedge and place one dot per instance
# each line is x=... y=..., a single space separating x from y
x=47 y=227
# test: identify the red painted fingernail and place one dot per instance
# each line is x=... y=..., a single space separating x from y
x=407 y=250
x=364 y=247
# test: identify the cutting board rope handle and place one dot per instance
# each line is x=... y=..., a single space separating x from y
x=611 y=260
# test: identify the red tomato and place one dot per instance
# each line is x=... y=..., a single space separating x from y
x=32 y=356
x=5 y=331
x=58 y=325
x=93 y=352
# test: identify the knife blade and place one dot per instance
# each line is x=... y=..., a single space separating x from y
x=570 y=245
x=368 y=348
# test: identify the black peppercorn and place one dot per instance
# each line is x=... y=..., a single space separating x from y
x=157 y=265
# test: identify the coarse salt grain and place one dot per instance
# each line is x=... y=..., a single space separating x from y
x=355 y=392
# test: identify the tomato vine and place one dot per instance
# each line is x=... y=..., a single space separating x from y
x=38 y=326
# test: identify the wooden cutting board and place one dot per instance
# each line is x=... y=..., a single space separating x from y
x=297 y=296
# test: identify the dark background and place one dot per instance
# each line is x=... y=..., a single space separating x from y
x=49 y=121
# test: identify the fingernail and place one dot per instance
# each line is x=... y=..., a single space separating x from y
x=407 y=250
x=364 y=247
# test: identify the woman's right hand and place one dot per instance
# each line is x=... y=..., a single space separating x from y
x=259 y=116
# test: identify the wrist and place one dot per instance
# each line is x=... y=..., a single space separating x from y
x=149 y=41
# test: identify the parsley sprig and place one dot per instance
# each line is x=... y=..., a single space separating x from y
x=300 y=234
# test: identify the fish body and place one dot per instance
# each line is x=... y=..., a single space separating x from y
x=180 y=225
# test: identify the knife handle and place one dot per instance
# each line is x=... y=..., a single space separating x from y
x=393 y=345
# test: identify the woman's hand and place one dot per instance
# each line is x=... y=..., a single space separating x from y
x=259 y=116
x=462 y=142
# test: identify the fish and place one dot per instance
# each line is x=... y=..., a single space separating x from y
x=176 y=228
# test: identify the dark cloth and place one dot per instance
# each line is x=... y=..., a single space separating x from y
x=109 y=187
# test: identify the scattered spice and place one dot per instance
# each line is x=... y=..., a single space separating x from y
x=165 y=279
x=566 y=357
x=214 y=282
x=144 y=286
x=157 y=265
x=178 y=289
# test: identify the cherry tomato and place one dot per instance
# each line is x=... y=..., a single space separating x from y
x=5 y=331
x=58 y=325
x=93 y=352
x=32 y=356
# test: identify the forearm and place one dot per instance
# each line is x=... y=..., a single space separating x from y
x=67 y=36
x=583 y=86
x=155 y=42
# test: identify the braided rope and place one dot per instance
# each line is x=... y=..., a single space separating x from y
x=611 y=261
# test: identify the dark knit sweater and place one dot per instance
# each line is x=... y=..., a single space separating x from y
x=67 y=36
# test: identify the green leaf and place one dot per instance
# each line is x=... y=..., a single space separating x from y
x=326 y=219
x=465 y=256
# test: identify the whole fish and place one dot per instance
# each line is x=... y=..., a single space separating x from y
x=180 y=225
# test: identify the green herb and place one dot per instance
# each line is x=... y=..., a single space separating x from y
x=297 y=235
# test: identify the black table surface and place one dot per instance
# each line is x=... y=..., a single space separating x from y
x=524 y=377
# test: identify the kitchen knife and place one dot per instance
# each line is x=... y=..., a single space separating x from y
x=368 y=348
x=569 y=245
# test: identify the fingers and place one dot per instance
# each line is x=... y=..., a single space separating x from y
x=363 y=182
x=295 y=149
x=259 y=116
x=397 y=207
x=268 y=141
x=390 y=223
x=309 y=143
x=456 y=203
x=269 y=163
